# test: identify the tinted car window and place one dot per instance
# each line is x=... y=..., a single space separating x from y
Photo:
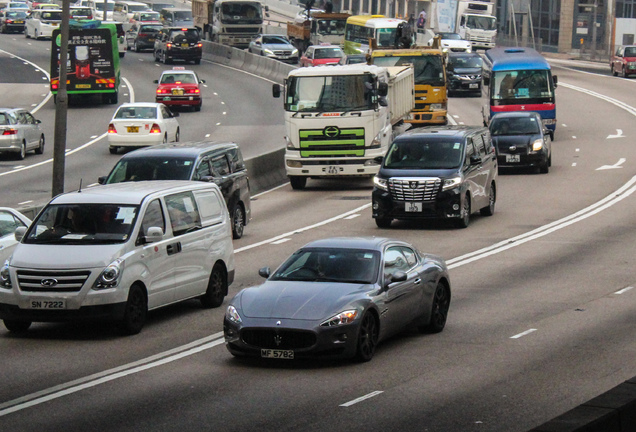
x=149 y=29
x=183 y=211
x=153 y=218
x=514 y=126
x=423 y=155
x=190 y=35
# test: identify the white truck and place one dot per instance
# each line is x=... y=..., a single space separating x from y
x=340 y=119
x=476 y=23
x=230 y=22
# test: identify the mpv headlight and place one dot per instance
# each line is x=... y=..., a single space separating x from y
x=452 y=182
x=380 y=183
x=537 y=145
x=110 y=276
x=5 y=277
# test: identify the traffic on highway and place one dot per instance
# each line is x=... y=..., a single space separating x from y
x=470 y=276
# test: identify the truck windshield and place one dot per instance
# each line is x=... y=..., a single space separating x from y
x=533 y=86
x=331 y=93
x=429 y=154
x=334 y=27
x=241 y=12
x=481 y=22
x=428 y=69
x=385 y=37
x=86 y=224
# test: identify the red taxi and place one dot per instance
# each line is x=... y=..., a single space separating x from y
x=624 y=61
x=320 y=55
x=179 y=87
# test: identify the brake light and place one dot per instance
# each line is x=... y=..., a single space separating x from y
x=9 y=21
x=155 y=128
x=168 y=45
x=10 y=132
x=199 y=45
x=142 y=34
x=111 y=85
x=162 y=91
x=111 y=128
x=196 y=91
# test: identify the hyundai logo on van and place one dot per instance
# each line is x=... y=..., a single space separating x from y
x=332 y=131
x=48 y=282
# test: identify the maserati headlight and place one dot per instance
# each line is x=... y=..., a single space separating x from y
x=342 y=318
x=380 y=183
x=537 y=145
x=452 y=182
x=110 y=276
x=232 y=315
x=5 y=278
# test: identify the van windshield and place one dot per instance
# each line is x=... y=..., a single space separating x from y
x=84 y=224
x=433 y=154
x=151 y=168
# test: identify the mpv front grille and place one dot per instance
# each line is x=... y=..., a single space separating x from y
x=52 y=280
x=414 y=189
x=278 y=339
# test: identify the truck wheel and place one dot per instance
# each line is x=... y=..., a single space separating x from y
x=298 y=182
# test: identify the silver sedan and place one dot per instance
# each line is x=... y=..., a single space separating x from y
x=20 y=132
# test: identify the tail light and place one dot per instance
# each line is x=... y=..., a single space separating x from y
x=199 y=45
x=111 y=128
x=9 y=21
x=54 y=85
x=10 y=132
x=168 y=45
x=193 y=91
x=155 y=128
x=111 y=85
x=142 y=35
x=162 y=91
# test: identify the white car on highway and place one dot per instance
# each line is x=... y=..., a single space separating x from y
x=453 y=42
x=142 y=124
x=41 y=23
x=10 y=219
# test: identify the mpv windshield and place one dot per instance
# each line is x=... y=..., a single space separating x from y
x=424 y=155
x=85 y=224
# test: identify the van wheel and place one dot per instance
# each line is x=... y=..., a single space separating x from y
x=217 y=288
x=238 y=221
x=15 y=326
x=489 y=210
x=135 y=312
x=464 y=219
x=112 y=149
x=298 y=182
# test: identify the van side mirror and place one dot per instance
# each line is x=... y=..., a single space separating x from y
x=102 y=180
x=19 y=233
x=276 y=90
x=475 y=160
x=555 y=80
x=154 y=234
x=264 y=272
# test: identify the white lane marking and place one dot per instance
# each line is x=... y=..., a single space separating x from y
x=18 y=167
x=130 y=89
x=25 y=202
x=269 y=190
x=281 y=241
x=361 y=398
x=573 y=164
x=624 y=290
x=48 y=77
x=517 y=336
x=564 y=125
x=573 y=136
x=207 y=135
x=618 y=164
x=303 y=229
x=611 y=100
x=111 y=374
x=619 y=134
x=614 y=198
x=352 y=216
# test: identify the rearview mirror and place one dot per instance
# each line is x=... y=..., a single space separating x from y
x=264 y=272
x=19 y=233
x=276 y=90
x=102 y=180
x=383 y=89
x=154 y=234
x=555 y=80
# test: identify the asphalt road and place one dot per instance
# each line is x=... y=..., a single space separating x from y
x=542 y=317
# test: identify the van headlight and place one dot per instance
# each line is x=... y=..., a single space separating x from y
x=380 y=183
x=5 y=276
x=451 y=183
x=110 y=276
x=537 y=145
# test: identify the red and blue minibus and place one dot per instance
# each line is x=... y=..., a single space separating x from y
x=519 y=79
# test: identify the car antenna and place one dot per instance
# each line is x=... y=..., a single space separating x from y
x=80 y=187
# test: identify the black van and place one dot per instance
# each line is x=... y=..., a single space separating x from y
x=445 y=172
x=221 y=163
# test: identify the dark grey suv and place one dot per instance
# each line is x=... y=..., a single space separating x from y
x=445 y=172
x=221 y=163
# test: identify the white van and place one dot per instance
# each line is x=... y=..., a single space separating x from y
x=124 y=10
x=116 y=251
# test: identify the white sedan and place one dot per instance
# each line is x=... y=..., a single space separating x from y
x=453 y=42
x=41 y=23
x=10 y=219
x=142 y=124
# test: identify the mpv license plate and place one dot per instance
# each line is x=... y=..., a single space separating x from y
x=132 y=129
x=412 y=207
x=473 y=85
x=277 y=354
x=513 y=158
x=47 y=304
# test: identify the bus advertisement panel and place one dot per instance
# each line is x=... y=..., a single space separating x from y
x=519 y=79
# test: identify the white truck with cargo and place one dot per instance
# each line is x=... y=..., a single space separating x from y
x=340 y=120
x=229 y=22
x=476 y=23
